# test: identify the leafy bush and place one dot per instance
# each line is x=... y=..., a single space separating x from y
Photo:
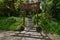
x=53 y=8
x=5 y=23
x=48 y=23
x=52 y=26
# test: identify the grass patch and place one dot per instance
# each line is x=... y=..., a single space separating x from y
x=10 y=23
x=52 y=27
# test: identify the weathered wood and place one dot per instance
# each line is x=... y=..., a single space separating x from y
x=30 y=6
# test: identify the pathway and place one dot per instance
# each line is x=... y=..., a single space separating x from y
x=16 y=35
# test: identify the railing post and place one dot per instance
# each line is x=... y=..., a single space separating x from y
x=37 y=17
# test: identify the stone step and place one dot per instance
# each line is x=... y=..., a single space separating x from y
x=29 y=19
x=29 y=25
x=28 y=35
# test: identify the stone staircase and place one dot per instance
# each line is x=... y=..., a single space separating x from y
x=30 y=32
x=32 y=35
x=29 y=24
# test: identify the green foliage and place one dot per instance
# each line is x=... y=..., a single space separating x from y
x=48 y=23
x=5 y=23
x=48 y=20
x=53 y=8
x=51 y=26
x=8 y=8
x=17 y=24
x=9 y=23
x=50 y=8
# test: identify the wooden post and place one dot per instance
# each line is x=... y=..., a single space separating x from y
x=24 y=18
x=37 y=17
x=23 y=13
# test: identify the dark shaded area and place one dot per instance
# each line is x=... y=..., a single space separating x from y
x=55 y=9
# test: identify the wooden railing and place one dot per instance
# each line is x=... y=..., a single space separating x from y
x=29 y=6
